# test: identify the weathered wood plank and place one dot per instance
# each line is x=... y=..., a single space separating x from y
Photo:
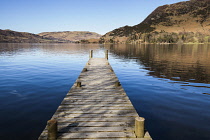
x=100 y=95
x=98 y=135
x=44 y=138
x=96 y=95
x=93 y=90
x=120 y=112
x=96 y=100
x=70 y=108
x=122 y=119
x=63 y=129
x=96 y=105
x=102 y=98
x=64 y=115
x=95 y=124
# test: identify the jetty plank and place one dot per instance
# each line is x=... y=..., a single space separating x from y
x=92 y=115
x=92 y=129
x=93 y=119
x=95 y=108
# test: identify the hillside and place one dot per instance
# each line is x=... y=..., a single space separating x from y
x=184 y=22
x=8 y=36
x=71 y=36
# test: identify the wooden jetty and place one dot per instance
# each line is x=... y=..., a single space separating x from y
x=96 y=107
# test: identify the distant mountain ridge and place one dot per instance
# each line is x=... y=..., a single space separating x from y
x=9 y=36
x=169 y=23
x=71 y=35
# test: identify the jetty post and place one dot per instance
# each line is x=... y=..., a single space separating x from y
x=91 y=54
x=52 y=129
x=79 y=84
x=139 y=127
x=106 y=54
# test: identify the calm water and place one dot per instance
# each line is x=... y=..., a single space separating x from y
x=169 y=85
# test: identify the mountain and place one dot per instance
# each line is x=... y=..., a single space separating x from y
x=9 y=36
x=71 y=36
x=185 y=22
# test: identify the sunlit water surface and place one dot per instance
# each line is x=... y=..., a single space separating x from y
x=169 y=85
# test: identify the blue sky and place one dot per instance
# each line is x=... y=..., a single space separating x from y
x=99 y=16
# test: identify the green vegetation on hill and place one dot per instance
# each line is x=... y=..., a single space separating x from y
x=167 y=37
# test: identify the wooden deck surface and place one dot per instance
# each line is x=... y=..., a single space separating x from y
x=96 y=110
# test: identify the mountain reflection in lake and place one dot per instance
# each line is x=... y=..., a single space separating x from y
x=169 y=85
x=188 y=63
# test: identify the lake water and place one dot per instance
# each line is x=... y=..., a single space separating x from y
x=169 y=85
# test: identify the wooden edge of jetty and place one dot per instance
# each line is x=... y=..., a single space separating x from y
x=96 y=107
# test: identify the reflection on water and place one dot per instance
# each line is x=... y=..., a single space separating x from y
x=188 y=63
x=170 y=87
x=74 y=49
x=167 y=84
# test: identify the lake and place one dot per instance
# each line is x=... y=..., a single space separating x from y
x=169 y=85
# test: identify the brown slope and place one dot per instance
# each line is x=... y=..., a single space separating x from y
x=189 y=16
x=71 y=35
x=9 y=36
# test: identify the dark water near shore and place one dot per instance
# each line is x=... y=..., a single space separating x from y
x=169 y=85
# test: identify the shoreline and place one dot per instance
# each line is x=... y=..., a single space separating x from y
x=98 y=43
